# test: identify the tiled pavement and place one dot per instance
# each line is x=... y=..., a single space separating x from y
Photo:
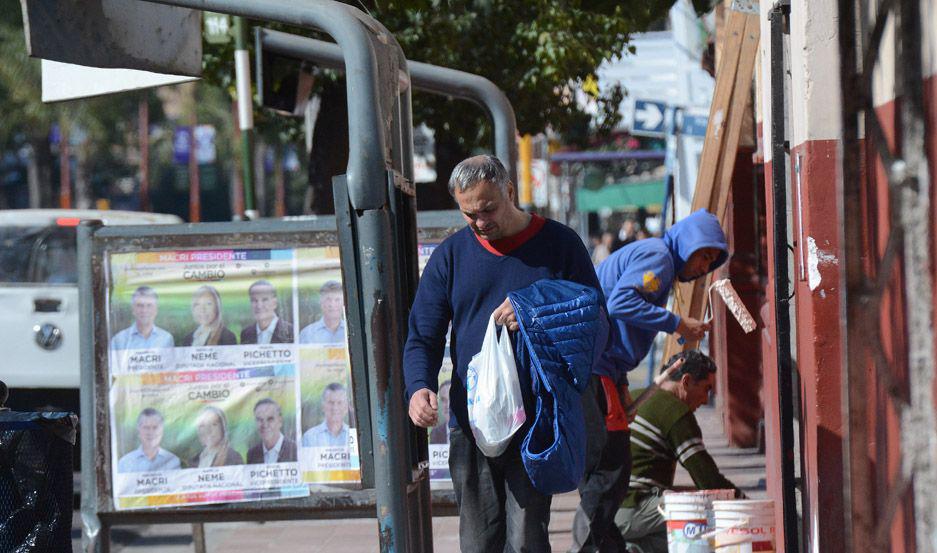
x=743 y=466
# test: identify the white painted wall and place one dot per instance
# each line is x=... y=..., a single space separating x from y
x=883 y=85
x=814 y=60
x=812 y=90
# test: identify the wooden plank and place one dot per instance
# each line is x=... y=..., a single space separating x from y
x=729 y=107
x=741 y=98
x=722 y=98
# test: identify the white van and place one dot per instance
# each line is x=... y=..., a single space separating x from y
x=39 y=299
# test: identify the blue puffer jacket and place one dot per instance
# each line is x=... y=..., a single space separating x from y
x=563 y=329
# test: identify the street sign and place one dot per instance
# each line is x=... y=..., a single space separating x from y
x=65 y=81
x=694 y=125
x=115 y=34
x=649 y=118
x=217 y=27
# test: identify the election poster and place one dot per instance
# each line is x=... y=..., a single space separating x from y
x=204 y=376
x=189 y=437
x=229 y=376
x=329 y=439
x=439 y=434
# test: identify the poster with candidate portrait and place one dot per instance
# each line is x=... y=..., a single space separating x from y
x=329 y=440
x=204 y=376
x=439 y=434
x=190 y=437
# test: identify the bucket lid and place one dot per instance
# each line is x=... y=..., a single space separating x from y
x=686 y=498
x=744 y=505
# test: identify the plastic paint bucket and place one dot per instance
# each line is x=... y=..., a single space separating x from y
x=686 y=517
x=744 y=526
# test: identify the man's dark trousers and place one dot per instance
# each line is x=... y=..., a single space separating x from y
x=605 y=483
x=499 y=509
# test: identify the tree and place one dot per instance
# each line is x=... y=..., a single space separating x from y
x=538 y=51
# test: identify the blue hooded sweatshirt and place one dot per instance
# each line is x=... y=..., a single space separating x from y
x=637 y=280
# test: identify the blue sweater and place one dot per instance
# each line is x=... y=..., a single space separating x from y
x=463 y=283
x=637 y=280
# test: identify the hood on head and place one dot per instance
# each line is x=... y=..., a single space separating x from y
x=698 y=230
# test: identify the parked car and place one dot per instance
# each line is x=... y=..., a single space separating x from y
x=39 y=301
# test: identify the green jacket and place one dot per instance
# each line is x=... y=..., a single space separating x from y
x=664 y=431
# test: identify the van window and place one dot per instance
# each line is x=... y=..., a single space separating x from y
x=55 y=259
x=38 y=255
x=16 y=245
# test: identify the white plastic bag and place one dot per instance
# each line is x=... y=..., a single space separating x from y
x=495 y=404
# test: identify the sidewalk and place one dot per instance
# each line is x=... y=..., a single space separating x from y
x=745 y=467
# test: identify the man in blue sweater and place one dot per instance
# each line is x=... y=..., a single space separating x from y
x=636 y=281
x=466 y=281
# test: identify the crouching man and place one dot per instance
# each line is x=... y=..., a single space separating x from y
x=664 y=432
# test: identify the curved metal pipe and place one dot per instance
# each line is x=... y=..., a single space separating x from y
x=366 y=161
x=443 y=81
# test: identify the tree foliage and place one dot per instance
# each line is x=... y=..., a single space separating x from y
x=538 y=51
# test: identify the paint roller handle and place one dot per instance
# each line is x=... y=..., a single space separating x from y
x=692 y=329
x=649 y=391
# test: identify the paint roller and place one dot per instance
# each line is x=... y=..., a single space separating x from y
x=732 y=300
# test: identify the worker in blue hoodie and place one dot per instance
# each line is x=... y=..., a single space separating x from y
x=637 y=280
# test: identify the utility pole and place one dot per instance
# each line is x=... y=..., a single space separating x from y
x=195 y=189
x=245 y=114
x=144 y=123
x=65 y=180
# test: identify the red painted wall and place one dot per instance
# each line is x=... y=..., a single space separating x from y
x=738 y=355
x=818 y=336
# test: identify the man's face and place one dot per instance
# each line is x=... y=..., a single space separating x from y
x=144 y=310
x=699 y=263
x=333 y=305
x=697 y=392
x=486 y=209
x=269 y=422
x=150 y=431
x=335 y=406
x=263 y=303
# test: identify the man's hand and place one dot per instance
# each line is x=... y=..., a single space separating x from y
x=423 y=408
x=504 y=315
x=692 y=329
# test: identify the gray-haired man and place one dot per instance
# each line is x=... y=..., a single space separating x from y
x=143 y=333
x=149 y=456
x=466 y=281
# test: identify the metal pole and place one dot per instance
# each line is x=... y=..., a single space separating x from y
x=245 y=104
x=858 y=517
x=781 y=281
x=426 y=77
x=919 y=422
x=94 y=537
x=362 y=40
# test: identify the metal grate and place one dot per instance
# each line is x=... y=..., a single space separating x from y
x=909 y=244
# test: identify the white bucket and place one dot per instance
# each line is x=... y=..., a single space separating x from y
x=744 y=526
x=687 y=520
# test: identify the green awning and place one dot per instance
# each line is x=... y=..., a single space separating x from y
x=623 y=196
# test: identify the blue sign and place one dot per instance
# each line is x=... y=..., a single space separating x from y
x=181 y=144
x=694 y=125
x=649 y=118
